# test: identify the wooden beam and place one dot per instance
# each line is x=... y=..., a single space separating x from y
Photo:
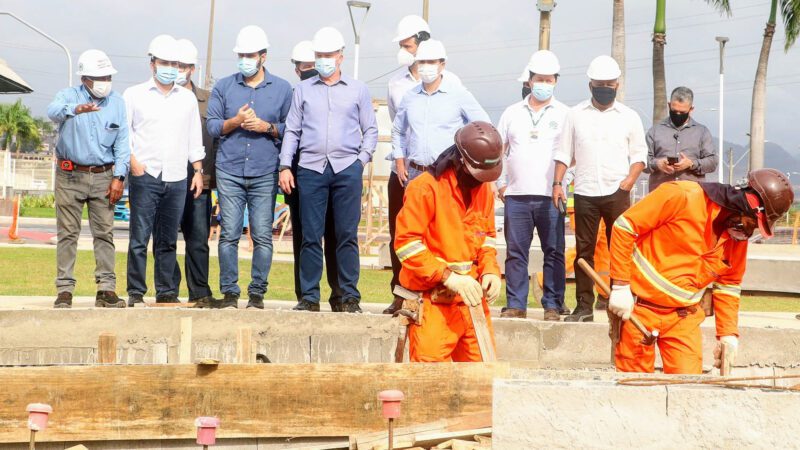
x=107 y=348
x=253 y=400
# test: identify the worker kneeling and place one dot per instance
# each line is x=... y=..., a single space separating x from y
x=681 y=240
x=446 y=242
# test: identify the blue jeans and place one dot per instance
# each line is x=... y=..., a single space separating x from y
x=156 y=209
x=195 y=226
x=522 y=214
x=343 y=190
x=258 y=193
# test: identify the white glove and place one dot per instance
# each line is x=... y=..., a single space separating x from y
x=621 y=301
x=467 y=287
x=491 y=286
x=733 y=349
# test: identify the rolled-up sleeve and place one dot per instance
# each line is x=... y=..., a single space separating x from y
x=637 y=146
x=215 y=113
x=293 y=128
x=369 y=126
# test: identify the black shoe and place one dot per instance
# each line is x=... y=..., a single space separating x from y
x=167 y=298
x=207 y=302
x=396 y=305
x=64 y=300
x=563 y=311
x=256 y=301
x=602 y=304
x=305 y=305
x=108 y=299
x=580 y=316
x=133 y=299
x=351 y=306
x=231 y=301
x=336 y=304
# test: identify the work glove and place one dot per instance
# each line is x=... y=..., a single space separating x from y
x=733 y=349
x=621 y=301
x=491 y=286
x=467 y=287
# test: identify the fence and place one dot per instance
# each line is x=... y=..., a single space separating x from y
x=25 y=175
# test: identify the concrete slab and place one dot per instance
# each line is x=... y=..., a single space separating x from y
x=289 y=443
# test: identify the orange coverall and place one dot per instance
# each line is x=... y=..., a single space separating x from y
x=436 y=231
x=666 y=248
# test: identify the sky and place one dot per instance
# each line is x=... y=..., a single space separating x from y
x=488 y=45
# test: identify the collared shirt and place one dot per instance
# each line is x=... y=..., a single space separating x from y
x=247 y=153
x=426 y=123
x=333 y=124
x=530 y=138
x=692 y=139
x=94 y=138
x=209 y=143
x=604 y=145
x=165 y=129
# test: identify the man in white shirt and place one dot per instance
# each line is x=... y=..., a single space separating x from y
x=530 y=129
x=605 y=140
x=165 y=133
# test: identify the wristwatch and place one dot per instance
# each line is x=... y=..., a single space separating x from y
x=200 y=171
x=282 y=168
x=556 y=183
x=121 y=178
x=270 y=128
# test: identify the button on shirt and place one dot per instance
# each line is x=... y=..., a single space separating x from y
x=333 y=124
x=164 y=129
x=94 y=138
x=530 y=138
x=247 y=153
x=692 y=139
x=426 y=123
x=604 y=144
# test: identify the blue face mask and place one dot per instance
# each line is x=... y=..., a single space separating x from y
x=166 y=74
x=325 y=66
x=542 y=91
x=248 y=66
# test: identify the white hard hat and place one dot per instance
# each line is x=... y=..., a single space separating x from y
x=251 y=39
x=410 y=26
x=430 y=49
x=187 y=52
x=303 y=52
x=327 y=39
x=95 y=63
x=164 y=47
x=544 y=62
x=603 y=68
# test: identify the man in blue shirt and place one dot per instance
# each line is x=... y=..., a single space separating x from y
x=93 y=157
x=332 y=124
x=247 y=111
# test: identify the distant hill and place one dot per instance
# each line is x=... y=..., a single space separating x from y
x=775 y=156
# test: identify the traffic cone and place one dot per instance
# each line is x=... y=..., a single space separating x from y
x=12 y=230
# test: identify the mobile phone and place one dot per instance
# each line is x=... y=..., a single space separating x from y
x=562 y=207
x=672 y=160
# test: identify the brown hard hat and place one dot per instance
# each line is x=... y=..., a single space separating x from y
x=481 y=147
x=776 y=195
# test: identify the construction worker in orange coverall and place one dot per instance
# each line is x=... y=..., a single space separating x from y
x=668 y=249
x=445 y=241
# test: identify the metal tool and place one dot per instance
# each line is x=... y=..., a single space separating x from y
x=409 y=315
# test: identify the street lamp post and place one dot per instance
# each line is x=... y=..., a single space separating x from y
x=722 y=41
x=356 y=30
x=49 y=38
x=545 y=7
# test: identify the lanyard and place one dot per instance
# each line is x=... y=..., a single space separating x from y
x=535 y=123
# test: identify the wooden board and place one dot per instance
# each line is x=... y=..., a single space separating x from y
x=485 y=342
x=437 y=431
x=252 y=400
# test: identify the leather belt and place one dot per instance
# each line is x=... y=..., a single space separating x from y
x=92 y=169
x=681 y=311
x=416 y=166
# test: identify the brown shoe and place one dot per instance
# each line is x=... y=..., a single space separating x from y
x=108 y=299
x=513 y=313
x=64 y=300
x=395 y=306
x=551 y=315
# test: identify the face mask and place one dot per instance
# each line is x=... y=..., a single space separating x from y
x=604 y=95
x=248 y=66
x=526 y=91
x=678 y=118
x=405 y=58
x=306 y=74
x=166 y=74
x=182 y=78
x=100 y=89
x=428 y=72
x=325 y=66
x=542 y=91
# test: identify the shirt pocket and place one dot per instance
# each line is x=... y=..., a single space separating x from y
x=110 y=134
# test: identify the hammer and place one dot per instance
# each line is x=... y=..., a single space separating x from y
x=649 y=337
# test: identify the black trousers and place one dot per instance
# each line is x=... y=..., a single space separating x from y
x=588 y=212
x=395 y=192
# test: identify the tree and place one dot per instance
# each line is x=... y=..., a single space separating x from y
x=790 y=13
x=17 y=125
x=618 y=44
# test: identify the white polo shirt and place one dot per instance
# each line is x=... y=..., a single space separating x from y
x=165 y=130
x=530 y=138
x=604 y=144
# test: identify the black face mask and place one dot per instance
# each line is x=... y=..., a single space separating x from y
x=306 y=74
x=604 y=95
x=526 y=91
x=678 y=118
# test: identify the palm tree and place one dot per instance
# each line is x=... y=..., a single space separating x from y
x=618 y=44
x=16 y=124
x=659 y=41
x=790 y=13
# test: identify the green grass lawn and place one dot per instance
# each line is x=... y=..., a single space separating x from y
x=29 y=271
x=48 y=213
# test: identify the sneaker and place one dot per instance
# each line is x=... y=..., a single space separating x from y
x=231 y=301
x=64 y=300
x=108 y=299
x=256 y=302
x=167 y=298
x=564 y=311
x=551 y=315
x=351 y=306
x=513 y=313
x=305 y=305
x=336 y=304
x=580 y=316
x=207 y=302
x=396 y=305
x=602 y=304
x=134 y=299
